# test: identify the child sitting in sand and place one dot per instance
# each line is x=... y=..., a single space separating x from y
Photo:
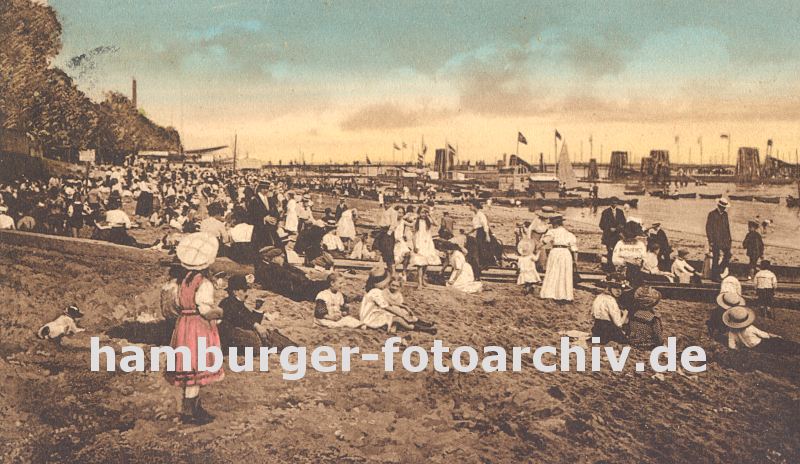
x=385 y=308
x=766 y=283
x=360 y=249
x=330 y=306
x=743 y=334
x=645 y=322
x=607 y=315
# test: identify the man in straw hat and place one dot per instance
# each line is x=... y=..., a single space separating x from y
x=718 y=232
x=612 y=221
x=198 y=317
x=743 y=334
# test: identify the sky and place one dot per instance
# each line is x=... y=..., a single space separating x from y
x=342 y=80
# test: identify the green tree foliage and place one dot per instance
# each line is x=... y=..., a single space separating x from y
x=44 y=102
x=30 y=37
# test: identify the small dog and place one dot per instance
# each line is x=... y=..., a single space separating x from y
x=66 y=324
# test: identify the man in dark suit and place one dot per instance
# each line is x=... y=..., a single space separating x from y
x=718 y=232
x=340 y=208
x=612 y=221
x=263 y=214
x=657 y=235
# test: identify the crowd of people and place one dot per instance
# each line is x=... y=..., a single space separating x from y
x=269 y=222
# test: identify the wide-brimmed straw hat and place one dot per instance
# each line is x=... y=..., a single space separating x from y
x=723 y=202
x=738 y=317
x=646 y=297
x=556 y=218
x=197 y=251
x=546 y=212
x=729 y=300
x=525 y=247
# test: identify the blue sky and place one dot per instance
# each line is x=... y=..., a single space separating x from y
x=343 y=78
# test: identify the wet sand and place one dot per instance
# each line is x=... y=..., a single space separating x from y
x=743 y=409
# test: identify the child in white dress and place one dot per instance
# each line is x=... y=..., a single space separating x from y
x=526 y=263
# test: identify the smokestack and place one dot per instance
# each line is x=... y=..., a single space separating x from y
x=133 y=93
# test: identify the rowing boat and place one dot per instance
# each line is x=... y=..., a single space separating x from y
x=635 y=192
x=773 y=200
x=704 y=291
x=742 y=197
x=675 y=196
x=710 y=196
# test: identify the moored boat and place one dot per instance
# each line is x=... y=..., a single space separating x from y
x=773 y=200
x=792 y=202
x=710 y=196
x=742 y=197
x=635 y=192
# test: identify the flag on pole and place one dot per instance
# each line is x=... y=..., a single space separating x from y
x=769 y=142
x=450 y=148
x=521 y=138
x=404 y=145
x=395 y=146
x=420 y=159
x=424 y=148
x=724 y=136
x=368 y=161
x=558 y=136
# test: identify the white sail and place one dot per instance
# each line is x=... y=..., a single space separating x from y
x=565 y=173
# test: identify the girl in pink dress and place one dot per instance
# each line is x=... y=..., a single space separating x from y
x=198 y=317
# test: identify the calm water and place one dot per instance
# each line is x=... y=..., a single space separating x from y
x=690 y=215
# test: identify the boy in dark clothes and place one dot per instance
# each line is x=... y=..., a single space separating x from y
x=754 y=246
x=243 y=326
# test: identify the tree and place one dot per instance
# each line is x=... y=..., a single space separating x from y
x=30 y=34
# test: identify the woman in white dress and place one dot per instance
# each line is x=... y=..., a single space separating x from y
x=346 y=227
x=424 y=253
x=557 y=284
x=462 y=278
x=292 y=218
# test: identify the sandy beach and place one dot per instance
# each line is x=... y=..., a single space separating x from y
x=743 y=409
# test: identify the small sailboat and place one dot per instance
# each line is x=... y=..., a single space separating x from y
x=564 y=170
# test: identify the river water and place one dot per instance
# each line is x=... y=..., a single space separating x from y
x=689 y=216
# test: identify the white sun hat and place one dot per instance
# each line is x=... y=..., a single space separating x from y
x=197 y=251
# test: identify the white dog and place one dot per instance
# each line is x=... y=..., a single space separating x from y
x=63 y=325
